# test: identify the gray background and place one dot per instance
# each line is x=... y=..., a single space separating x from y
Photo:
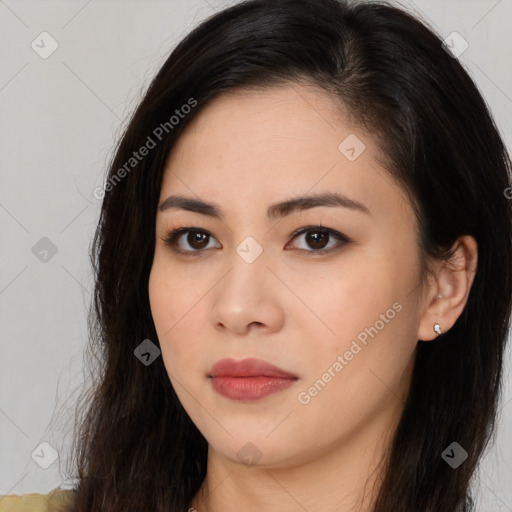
x=60 y=118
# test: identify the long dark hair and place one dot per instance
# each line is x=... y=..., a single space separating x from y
x=137 y=449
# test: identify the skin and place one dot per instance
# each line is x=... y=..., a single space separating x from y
x=296 y=309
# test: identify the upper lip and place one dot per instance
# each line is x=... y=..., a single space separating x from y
x=249 y=367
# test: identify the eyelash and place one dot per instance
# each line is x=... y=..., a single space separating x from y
x=176 y=232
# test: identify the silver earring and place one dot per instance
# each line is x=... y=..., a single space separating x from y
x=437 y=328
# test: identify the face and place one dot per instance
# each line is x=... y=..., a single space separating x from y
x=248 y=285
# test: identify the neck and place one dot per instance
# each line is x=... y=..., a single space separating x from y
x=345 y=478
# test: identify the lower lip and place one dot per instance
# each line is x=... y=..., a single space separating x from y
x=250 y=388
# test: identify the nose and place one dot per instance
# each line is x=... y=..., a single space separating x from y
x=247 y=298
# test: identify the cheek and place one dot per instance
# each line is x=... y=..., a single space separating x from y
x=172 y=303
x=358 y=312
x=174 y=295
x=339 y=304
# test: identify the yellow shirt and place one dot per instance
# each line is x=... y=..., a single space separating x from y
x=58 y=500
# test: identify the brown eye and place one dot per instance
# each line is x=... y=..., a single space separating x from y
x=197 y=239
x=317 y=238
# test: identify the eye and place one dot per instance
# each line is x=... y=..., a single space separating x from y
x=318 y=236
x=197 y=239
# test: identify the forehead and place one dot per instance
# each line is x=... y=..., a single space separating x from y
x=277 y=117
x=274 y=142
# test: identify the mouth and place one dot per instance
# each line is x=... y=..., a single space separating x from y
x=248 y=389
x=249 y=379
x=250 y=367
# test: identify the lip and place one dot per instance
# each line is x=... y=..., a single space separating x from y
x=249 y=379
x=250 y=367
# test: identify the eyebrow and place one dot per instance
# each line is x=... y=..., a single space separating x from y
x=275 y=210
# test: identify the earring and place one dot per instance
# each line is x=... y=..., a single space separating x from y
x=437 y=328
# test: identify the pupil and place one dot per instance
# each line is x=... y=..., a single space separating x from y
x=314 y=239
x=196 y=238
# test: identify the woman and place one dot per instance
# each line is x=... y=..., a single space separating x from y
x=303 y=273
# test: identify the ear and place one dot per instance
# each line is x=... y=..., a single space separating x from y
x=449 y=290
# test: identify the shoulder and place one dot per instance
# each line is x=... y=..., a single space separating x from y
x=57 y=500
